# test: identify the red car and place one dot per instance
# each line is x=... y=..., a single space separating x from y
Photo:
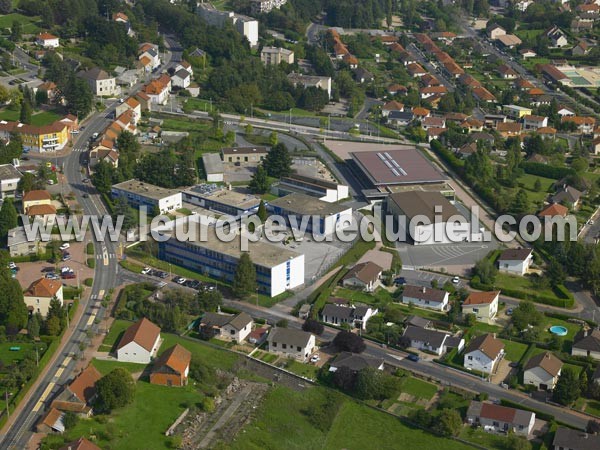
x=68 y=275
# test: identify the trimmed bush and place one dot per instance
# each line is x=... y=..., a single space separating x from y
x=88 y=281
x=89 y=248
x=91 y=263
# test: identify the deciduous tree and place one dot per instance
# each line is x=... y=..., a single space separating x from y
x=244 y=281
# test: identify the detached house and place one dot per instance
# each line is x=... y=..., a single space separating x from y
x=500 y=419
x=139 y=343
x=585 y=125
x=100 y=82
x=433 y=341
x=79 y=395
x=483 y=353
x=355 y=362
x=569 y=439
x=425 y=297
x=40 y=294
x=80 y=444
x=364 y=275
x=542 y=371
x=150 y=53
x=227 y=326
x=158 y=90
x=515 y=261
x=568 y=195
x=587 y=344
x=483 y=304
x=531 y=122
x=47 y=40
x=391 y=106
x=292 y=343
x=558 y=38
x=354 y=316
x=181 y=79
x=494 y=31
x=172 y=367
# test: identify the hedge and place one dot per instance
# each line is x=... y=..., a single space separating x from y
x=89 y=248
x=563 y=299
x=567 y=318
x=91 y=263
x=88 y=281
x=546 y=171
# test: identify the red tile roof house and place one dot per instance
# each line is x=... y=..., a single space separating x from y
x=78 y=396
x=391 y=106
x=80 y=444
x=172 y=367
x=365 y=275
x=139 y=343
x=483 y=353
x=496 y=418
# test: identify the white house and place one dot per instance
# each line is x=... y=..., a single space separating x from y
x=47 y=40
x=425 y=339
x=227 y=326
x=149 y=55
x=515 y=261
x=292 y=343
x=542 y=371
x=40 y=294
x=425 y=297
x=483 y=304
x=565 y=111
x=9 y=180
x=246 y=26
x=181 y=79
x=354 y=316
x=558 y=38
x=531 y=122
x=494 y=31
x=139 y=343
x=101 y=83
x=365 y=275
x=500 y=419
x=483 y=353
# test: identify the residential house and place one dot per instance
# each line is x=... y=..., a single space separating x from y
x=506 y=72
x=527 y=53
x=181 y=79
x=41 y=293
x=265 y=6
x=36 y=197
x=425 y=297
x=105 y=152
x=100 y=82
x=391 y=106
x=467 y=150
x=494 y=31
x=433 y=122
x=483 y=95
x=483 y=354
x=531 y=122
x=523 y=85
x=429 y=340
x=420 y=113
x=500 y=419
x=362 y=75
x=276 y=55
x=149 y=52
x=483 y=304
x=567 y=195
x=228 y=326
x=351 y=61
x=565 y=111
x=515 y=261
x=365 y=275
x=558 y=38
x=356 y=317
x=310 y=81
x=139 y=343
x=44 y=138
x=418 y=321
x=50 y=89
x=570 y=439
x=259 y=335
x=400 y=118
x=172 y=367
x=292 y=343
x=429 y=91
x=145 y=101
x=542 y=371
x=130 y=104
x=508 y=129
x=587 y=344
x=554 y=210
x=51 y=422
x=509 y=41
x=79 y=395
x=394 y=89
x=158 y=90
x=9 y=180
x=44 y=214
x=472 y=125
x=430 y=80
x=355 y=362
x=19 y=244
x=516 y=112
x=47 y=40
x=547 y=132
x=585 y=125
x=435 y=133
x=80 y=444
x=581 y=49
x=415 y=70
x=122 y=18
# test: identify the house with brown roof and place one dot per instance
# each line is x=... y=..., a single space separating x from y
x=51 y=422
x=500 y=419
x=585 y=125
x=40 y=294
x=508 y=129
x=433 y=122
x=484 y=305
x=420 y=113
x=515 y=261
x=47 y=40
x=139 y=343
x=365 y=275
x=506 y=72
x=553 y=210
x=44 y=214
x=425 y=297
x=509 y=41
x=80 y=444
x=483 y=354
x=391 y=106
x=36 y=197
x=587 y=344
x=396 y=88
x=533 y=122
x=226 y=326
x=581 y=49
x=429 y=91
x=542 y=371
x=483 y=95
x=415 y=70
x=172 y=367
x=79 y=395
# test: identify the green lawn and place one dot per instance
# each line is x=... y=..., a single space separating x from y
x=419 y=388
x=304 y=370
x=355 y=295
x=41 y=118
x=487 y=440
x=8 y=357
x=117 y=328
x=105 y=367
x=535 y=197
x=593 y=407
x=208 y=355
x=572 y=329
x=28 y=23
x=528 y=289
x=514 y=350
x=282 y=421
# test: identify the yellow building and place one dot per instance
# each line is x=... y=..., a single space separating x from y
x=45 y=138
x=36 y=198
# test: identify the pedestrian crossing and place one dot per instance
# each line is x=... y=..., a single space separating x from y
x=110 y=256
x=80 y=149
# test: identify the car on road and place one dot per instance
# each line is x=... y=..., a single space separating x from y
x=315 y=358
x=179 y=280
x=162 y=274
x=47 y=269
x=455 y=280
x=193 y=284
x=146 y=270
x=64 y=247
x=412 y=357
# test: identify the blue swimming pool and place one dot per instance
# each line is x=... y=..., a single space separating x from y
x=558 y=330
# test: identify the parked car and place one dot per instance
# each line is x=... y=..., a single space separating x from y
x=509 y=312
x=67 y=275
x=162 y=274
x=52 y=276
x=413 y=357
x=455 y=280
x=66 y=257
x=12 y=265
x=314 y=358
x=146 y=270
x=65 y=246
x=400 y=281
x=179 y=280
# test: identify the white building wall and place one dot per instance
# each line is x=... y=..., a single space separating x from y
x=436 y=233
x=479 y=361
x=279 y=282
x=431 y=305
x=537 y=376
x=513 y=267
x=170 y=203
x=293 y=351
x=133 y=352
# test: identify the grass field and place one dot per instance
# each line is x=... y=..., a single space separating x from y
x=304 y=370
x=41 y=118
x=379 y=296
x=105 y=367
x=8 y=357
x=514 y=350
x=281 y=423
x=28 y=23
x=419 y=388
x=117 y=328
x=525 y=285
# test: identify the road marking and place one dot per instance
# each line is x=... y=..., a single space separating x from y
x=43 y=397
x=101 y=294
x=62 y=368
x=91 y=320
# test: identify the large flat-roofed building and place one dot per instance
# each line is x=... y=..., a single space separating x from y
x=246 y=26
x=310 y=81
x=138 y=193
x=327 y=191
x=276 y=55
x=277 y=269
x=214 y=198
x=412 y=204
x=244 y=155
x=213 y=167
x=397 y=167
x=328 y=217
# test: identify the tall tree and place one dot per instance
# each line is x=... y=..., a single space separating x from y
x=259 y=184
x=278 y=162
x=244 y=281
x=8 y=217
x=262 y=212
x=114 y=390
x=25 y=116
x=568 y=387
x=16 y=30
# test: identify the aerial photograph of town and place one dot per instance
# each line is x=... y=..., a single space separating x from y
x=299 y=224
